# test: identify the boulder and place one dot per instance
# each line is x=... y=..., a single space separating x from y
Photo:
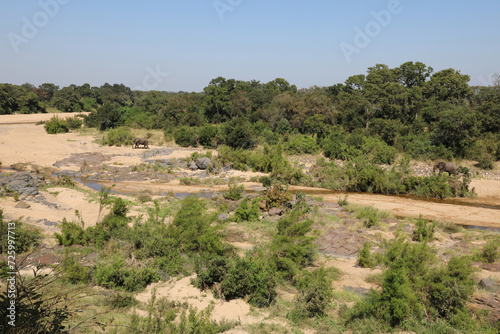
x=488 y=284
x=275 y=212
x=223 y=216
x=24 y=183
x=23 y=205
x=203 y=163
x=193 y=166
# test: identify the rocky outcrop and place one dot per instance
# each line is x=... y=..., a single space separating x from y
x=24 y=183
x=203 y=163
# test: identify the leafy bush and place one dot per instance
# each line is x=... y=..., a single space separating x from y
x=118 y=137
x=365 y=259
x=211 y=270
x=314 y=295
x=424 y=231
x=302 y=144
x=25 y=238
x=292 y=247
x=209 y=136
x=234 y=192
x=277 y=196
x=72 y=233
x=74 y=272
x=74 y=122
x=250 y=277
x=380 y=152
x=486 y=161
x=193 y=228
x=491 y=251
x=239 y=134
x=114 y=273
x=56 y=125
x=371 y=214
x=186 y=136
x=247 y=211
x=335 y=146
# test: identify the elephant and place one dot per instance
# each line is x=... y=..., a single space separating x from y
x=448 y=167
x=140 y=141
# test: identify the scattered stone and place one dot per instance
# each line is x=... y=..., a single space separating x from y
x=203 y=163
x=275 y=212
x=23 y=205
x=193 y=166
x=223 y=216
x=24 y=183
x=488 y=284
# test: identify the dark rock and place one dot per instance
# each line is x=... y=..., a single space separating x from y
x=183 y=164
x=488 y=284
x=193 y=166
x=203 y=163
x=24 y=183
x=23 y=205
x=223 y=216
x=275 y=212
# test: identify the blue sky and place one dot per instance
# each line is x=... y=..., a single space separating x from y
x=182 y=45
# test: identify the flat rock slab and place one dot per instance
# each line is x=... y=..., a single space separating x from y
x=340 y=241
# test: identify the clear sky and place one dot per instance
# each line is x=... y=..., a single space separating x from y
x=179 y=45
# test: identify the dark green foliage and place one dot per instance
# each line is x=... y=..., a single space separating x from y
x=491 y=251
x=416 y=287
x=36 y=312
x=365 y=258
x=239 y=134
x=186 y=136
x=22 y=239
x=360 y=175
x=105 y=117
x=56 y=125
x=247 y=211
x=121 y=300
x=113 y=272
x=486 y=161
x=74 y=122
x=209 y=136
x=72 y=233
x=424 y=230
x=234 y=192
x=314 y=295
x=192 y=227
x=118 y=137
x=250 y=277
x=211 y=270
x=73 y=271
x=335 y=146
x=292 y=247
x=301 y=144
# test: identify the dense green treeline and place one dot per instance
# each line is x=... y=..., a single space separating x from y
x=424 y=113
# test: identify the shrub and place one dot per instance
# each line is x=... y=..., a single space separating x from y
x=365 y=259
x=486 y=161
x=239 y=134
x=424 y=230
x=314 y=295
x=74 y=122
x=234 y=193
x=56 y=125
x=491 y=251
x=335 y=146
x=192 y=228
x=211 y=270
x=186 y=136
x=277 y=196
x=302 y=144
x=71 y=234
x=247 y=211
x=209 y=136
x=74 y=272
x=252 y=278
x=113 y=273
x=118 y=137
x=25 y=239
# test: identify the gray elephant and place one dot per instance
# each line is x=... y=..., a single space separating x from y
x=140 y=141
x=448 y=167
